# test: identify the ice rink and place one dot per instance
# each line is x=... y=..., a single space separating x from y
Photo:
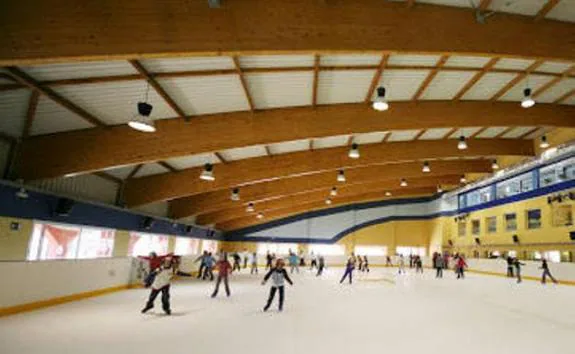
x=380 y=313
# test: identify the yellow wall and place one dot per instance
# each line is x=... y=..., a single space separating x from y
x=121 y=241
x=14 y=244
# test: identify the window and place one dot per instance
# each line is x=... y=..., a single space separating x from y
x=491 y=224
x=406 y=251
x=533 y=218
x=186 y=246
x=327 y=250
x=552 y=256
x=50 y=241
x=371 y=250
x=279 y=249
x=515 y=185
x=210 y=246
x=143 y=244
x=461 y=226
x=512 y=254
x=562 y=215
x=475 y=227
x=510 y=222
x=557 y=173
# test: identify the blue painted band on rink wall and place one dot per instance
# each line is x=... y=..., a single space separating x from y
x=41 y=206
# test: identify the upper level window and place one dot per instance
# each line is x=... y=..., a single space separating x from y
x=511 y=222
x=142 y=244
x=371 y=250
x=533 y=218
x=475 y=227
x=491 y=224
x=277 y=248
x=327 y=250
x=186 y=246
x=461 y=228
x=557 y=173
x=515 y=185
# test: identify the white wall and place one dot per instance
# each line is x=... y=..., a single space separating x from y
x=26 y=282
x=561 y=271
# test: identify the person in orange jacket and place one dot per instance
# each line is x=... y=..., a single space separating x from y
x=460 y=266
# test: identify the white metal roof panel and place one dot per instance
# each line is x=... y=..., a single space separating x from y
x=276 y=61
x=556 y=67
x=491 y=132
x=330 y=141
x=488 y=86
x=517 y=132
x=401 y=85
x=563 y=11
x=184 y=162
x=369 y=138
x=121 y=172
x=207 y=94
x=115 y=102
x=413 y=60
x=343 y=86
x=467 y=62
x=188 y=64
x=13 y=109
x=435 y=133
x=79 y=70
x=243 y=153
x=570 y=101
x=446 y=84
x=402 y=135
x=457 y=3
x=151 y=169
x=533 y=81
x=539 y=132
x=282 y=89
x=513 y=63
x=53 y=118
x=556 y=91
x=466 y=132
x=289 y=146
x=522 y=7
x=350 y=59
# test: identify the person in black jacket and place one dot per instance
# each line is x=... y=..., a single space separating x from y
x=546 y=272
x=518 y=265
x=279 y=276
x=510 y=264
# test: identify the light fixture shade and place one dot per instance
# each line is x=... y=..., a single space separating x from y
x=387 y=194
x=328 y=201
x=341 y=176
x=208 y=173
x=439 y=189
x=250 y=208
x=235 y=195
x=462 y=144
x=494 y=165
x=142 y=121
x=380 y=104
x=544 y=143
x=426 y=167
x=527 y=101
x=260 y=216
x=333 y=192
x=354 y=151
x=403 y=182
x=462 y=179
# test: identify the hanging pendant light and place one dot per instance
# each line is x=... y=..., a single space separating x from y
x=527 y=101
x=544 y=143
x=354 y=151
x=388 y=194
x=341 y=176
x=380 y=103
x=260 y=216
x=235 y=195
x=463 y=179
x=495 y=165
x=333 y=192
x=208 y=173
x=439 y=189
x=462 y=144
x=142 y=121
x=250 y=208
x=426 y=167
x=403 y=182
x=328 y=201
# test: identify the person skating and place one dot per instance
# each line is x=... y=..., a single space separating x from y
x=209 y=267
x=254 y=265
x=237 y=261
x=313 y=258
x=460 y=267
x=202 y=260
x=546 y=273
x=439 y=267
x=301 y=259
x=401 y=264
x=349 y=267
x=365 y=264
x=388 y=261
x=161 y=284
x=279 y=276
x=359 y=264
x=246 y=256
x=510 y=264
x=269 y=259
x=411 y=260
x=517 y=266
x=418 y=264
x=321 y=265
x=293 y=262
x=224 y=268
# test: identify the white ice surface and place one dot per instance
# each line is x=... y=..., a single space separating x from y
x=380 y=313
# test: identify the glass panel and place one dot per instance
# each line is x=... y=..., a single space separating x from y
x=35 y=240
x=533 y=219
x=95 y=243
x=461 y=228
x=491 y=224
x=371 y=250
x=553 y=256
x=515 y=185
x=406 y=251
x=327 y=250
x=186 y=246
x=557 y=173
x=210 y=246
x=475 y=227
x=510 y=222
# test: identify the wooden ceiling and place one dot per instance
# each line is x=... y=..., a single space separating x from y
x=275 y=104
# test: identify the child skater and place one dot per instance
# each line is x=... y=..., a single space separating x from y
x=320 y=265
x=237 y=260
x=349 y=267
x=546 y=272
x=460 y=267
x=209 y=267
x=418 y=265
x=224 y=268
x=439 y=266
x=279 y=276
x=269 y=259
x=388 y=261
x=313 y=258
x=365 y=264
x=293 y=262
x=401 y=265
x=161 y=284
x=359 y=264
x=254 y=265
x=518 y=265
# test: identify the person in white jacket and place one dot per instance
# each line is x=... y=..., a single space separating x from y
x=401 y=264
x=161 y=283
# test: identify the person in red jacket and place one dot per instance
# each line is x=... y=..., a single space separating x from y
x=460 y=267
x=224 y=268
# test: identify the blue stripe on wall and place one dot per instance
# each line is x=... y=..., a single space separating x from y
x=41 y=206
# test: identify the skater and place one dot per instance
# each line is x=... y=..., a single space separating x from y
x=223 y=267
x=254 y=265
x=269 y=259
x=510 y=264
x=388 y=261
x=161 y=284
x=546 y=272
x=301 y=260
x=246 y=255
x=237 y=260
x=460 y=267
x=321 y=265
x=411 y=261
x=313 y=261
x=518 y=265
x=365 y=264
x=209 y=267
x=418 y=265
x=278 y=275
x=293 y=262
x=202 y=260
x=439 y=267
x=349 y=267
x=401 y=264
x=359 y=264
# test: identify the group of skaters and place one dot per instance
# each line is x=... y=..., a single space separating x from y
x=514 y=270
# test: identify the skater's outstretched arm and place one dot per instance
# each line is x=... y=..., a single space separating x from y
x=267 y=276
x=287 y=277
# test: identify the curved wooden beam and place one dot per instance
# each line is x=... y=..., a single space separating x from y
x=322 y=195
x=169 y=186
x=96 y=149
x=215 y=201
x=251 y=220
x=270 y=27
